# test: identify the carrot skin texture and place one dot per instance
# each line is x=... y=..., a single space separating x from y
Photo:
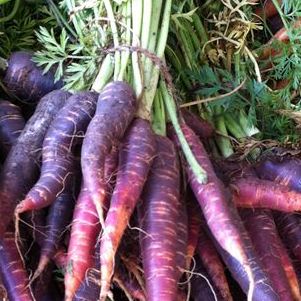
x=66 y=130
x=289 y=226
x=158 y=212
x=14 y=276
x=256 y=193
x=135 y=159
x=289 y=269
x=22 y=165
x=11 y=125
x=182 y=237
x=84 y=232
x=58 y=218
x=262 y=230
x=200 y=126
x=90 y=287
x=115 y=110
x=287 y=172
x=214 y=202
x=25 y=80
x=213 y=265
x=263 y=289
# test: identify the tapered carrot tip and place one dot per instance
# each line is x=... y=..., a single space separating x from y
x=26 y=205
x=44 y=260
x=107 y=268
x=71 y=286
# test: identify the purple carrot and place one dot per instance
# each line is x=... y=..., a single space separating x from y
x=116 y=107
x=158 y=213
x=59 y=217
x=213 y=265
x=262 y=230
x=11 y=125
x=255 y=193
x=289 y=226
x=21 y=167
x=135 y=159
x=13 y=273
x=84 y=232
x=25 y=80
x=218 y=210
x=202 y=288
x=286 y=172
x=89 y=288
x=200 y=126
x=263 y=290
x=64 y=133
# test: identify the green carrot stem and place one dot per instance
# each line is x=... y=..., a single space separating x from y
x=75 y=19
x=151 y=46
x=12 y=13
x=222 y=141
x=151 y=86
x=61 y=19
x=114 y=29
x=126 y=12
x=198 y=171
x=105 y=74
x=174 y=60
x=159 y=120
x=246 y=125
x=234 y=127
x=137 y=7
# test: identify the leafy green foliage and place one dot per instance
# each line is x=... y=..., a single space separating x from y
x=19 y=33
x=77 y=50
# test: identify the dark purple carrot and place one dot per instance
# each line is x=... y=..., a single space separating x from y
x=256 y=193
x=263 y=290
x=58 y=218
x=200 y=126
x=11 y=125
x=115 y=110
x=13 y=273
x=286 y=172
x=289 y=226
x=21 y=166
x=218 y=210
x=213 y=265
x=25 y=80
x=135 y=159
x=158 y=215
x=262 y=230
x=66 y=130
